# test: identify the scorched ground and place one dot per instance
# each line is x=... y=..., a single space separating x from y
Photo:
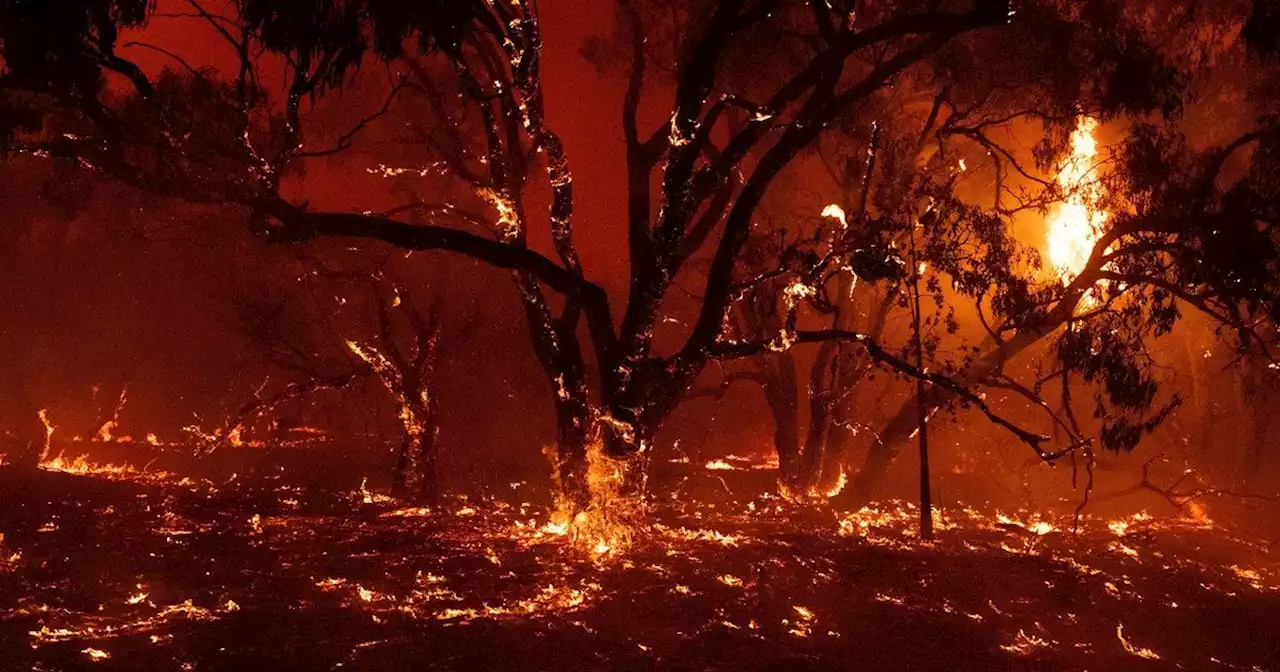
x=113 y=568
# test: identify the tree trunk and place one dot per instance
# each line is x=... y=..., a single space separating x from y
x=400 y=473
x=1259 y=393
x=822 y=377
x=428 y=475
x=922 y=413
x=573 y=439
x=902 y=426
x=833 y=457
x=428 y=446
x=781 y=399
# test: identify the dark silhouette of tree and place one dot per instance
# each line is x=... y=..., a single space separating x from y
x=696 y=181
x=405 y=356
x=334 y=327
x=971 y=253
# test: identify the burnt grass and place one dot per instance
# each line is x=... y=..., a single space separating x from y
x=284 y=577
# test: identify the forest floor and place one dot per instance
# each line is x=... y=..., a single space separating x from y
x=128 y=571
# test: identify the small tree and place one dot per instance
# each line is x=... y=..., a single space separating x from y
x=407 y=366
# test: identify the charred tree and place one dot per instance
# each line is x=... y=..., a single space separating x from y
x=705 y=168
x=406 y=362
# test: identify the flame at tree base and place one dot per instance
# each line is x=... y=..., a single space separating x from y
x=606 y=527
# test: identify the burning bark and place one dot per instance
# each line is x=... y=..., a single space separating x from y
x=409 y=373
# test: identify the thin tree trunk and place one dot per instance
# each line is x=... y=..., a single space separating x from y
x=922 y=415
x=428 y=474
x=428 y=446
x=902 y=426
x=573 y=439
x=780 y=395
x=400 y=473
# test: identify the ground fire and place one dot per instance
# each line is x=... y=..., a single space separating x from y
x=720 y=334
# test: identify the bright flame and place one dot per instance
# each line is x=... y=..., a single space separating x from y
x=837 y=487
x=1075 y=226
x=605 y=528
x=83 y=467
x=508 y=218
x=837 y=213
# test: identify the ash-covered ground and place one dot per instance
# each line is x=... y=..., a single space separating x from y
x=129 y=569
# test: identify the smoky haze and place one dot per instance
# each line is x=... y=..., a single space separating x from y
x=110 y=290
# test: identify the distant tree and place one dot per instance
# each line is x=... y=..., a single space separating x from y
x=405 y=356
x=906 y=173
x=371 y=326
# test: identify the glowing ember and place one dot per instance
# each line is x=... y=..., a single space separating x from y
x=1135 y=650
x=803 y=624
x=1024 y=644
x=48 y=433
x=1040 y=527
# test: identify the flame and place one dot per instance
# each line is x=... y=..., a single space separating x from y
x=370 y=497
x=802 y=626
x=1040 y=527
x=1076 y=226
x=606 y=527
x=104 y=432
x=837 y=213
x=508 y=219
x=1024 y=644
x=837 y=487
x=10 y=561
x=1138 y=651
x=83 y=467
x=48 y=433
x=1198 y=515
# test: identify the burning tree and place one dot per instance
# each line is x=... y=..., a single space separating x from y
x=697 y=176
x=1137 y=240
x=373 y=327
x=407 y=366
x=917 y=175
